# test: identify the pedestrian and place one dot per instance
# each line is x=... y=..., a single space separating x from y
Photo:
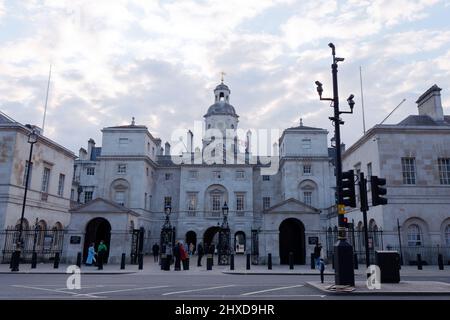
x=90 y=260
x=177 y=256
x=200 y=253
x=321 y=268
x=184 y=257
x=191 y=248
x=317 y=251
x=101 y=250
x=155 y=250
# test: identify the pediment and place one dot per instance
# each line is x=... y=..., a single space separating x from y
x=292 y=206
x=100 y=205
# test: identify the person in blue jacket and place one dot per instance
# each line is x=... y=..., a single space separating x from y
x=91 y=255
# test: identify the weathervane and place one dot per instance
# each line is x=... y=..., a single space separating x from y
x=222 y=74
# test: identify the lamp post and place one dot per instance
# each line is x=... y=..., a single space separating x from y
x=32 y=139
x=343 y=251
x=224 y=238
x=167 y=233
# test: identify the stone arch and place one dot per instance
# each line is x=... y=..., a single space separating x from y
x=292 y=239
x=308 y=192
x=415 y=232
x=445 y=232
x=58 y=234
x=240 y=242
x=97 y=229
x=119 y=191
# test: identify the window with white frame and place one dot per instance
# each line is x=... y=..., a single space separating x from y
x=90 y=171
x=215 y=202
x=122 y=168
x=307 y=169
x=444 y=170
x=414 y=236
x=193 y=174
x=409 y=170
x=240 y=201
x=192 y=201
x=25 y=173
x=447 y=235
x=61 y=180
x=307 y=197
x=119 y=197
x=266 y=203
x=88 y=196
x=266 y=178
x=45 y=180
x=240 y=174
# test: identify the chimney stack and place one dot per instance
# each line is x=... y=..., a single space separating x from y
x=167 y=149
x=91 y=146
x=190 y=141
x=429 y=104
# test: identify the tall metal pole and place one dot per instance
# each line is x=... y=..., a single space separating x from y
x=16 y=256
x=46 y=98
x=364 y=208
x=362 y=100
x=343 y=250
x=400 y=242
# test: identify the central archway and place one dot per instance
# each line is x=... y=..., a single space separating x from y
x=97 y=229
x=191 y=237
x=292 y=239
x=211 y=236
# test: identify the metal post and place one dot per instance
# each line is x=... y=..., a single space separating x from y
x=419 y=261
x=291 y=260
x=355 y=261
x=400 y=242
x=269 y=261
x=440 y=261
x=209 y=261
x=79 y=259
x=122 y=262
x=33 y=260
x=364 y=207
x=248 y=261
x=141 y=261
x=56 y=262
x=232 y=262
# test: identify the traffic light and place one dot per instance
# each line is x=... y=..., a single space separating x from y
x=378 y=191
x=348 y=189
x=345 y=222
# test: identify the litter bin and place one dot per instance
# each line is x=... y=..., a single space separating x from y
x=389 y=264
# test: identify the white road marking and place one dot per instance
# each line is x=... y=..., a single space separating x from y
x=202 y=289
x=122 y=290
x=52 y=290
x=273 y=289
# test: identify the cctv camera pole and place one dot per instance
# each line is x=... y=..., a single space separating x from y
x=343 y=250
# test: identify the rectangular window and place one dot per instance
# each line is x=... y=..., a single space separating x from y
x=444 y=170
x=369 y=174
x=217 y=174
x=266 y=203
x=122 y=168
x=168 y=176
x=240 y=174
x=88 y=196
x=192 y=202
x=409 y=170
x=240 y=200
x=45 y=180
x=123 y=142
x=25 y=174
x=146 y=172
x=145 y=201
x=72 y=194
x=266 y=178
x=193 y=174
x=307 y=169
x=167 y=201
x=119 y=198
x=306 y=143
x=62 y=178
x=90 y=171
x=216 y=205
x=307 y=197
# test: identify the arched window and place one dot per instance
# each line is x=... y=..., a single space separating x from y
x=414 y=236
x=120 y=189
x=447 y=235
x=58 y=234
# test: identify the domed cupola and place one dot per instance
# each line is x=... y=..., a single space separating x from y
x=221 y=104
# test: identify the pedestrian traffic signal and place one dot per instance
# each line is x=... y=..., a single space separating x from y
x=378 y=191
x=345 y=222
x=348 y=189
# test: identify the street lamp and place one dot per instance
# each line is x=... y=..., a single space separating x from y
x=32 y=139
x=343 y=251
x=167 y=236
x=224 y=238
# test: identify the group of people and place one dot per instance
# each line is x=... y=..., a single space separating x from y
x=96 y=257
x=182 y=252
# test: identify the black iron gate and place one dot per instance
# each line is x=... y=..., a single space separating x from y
x=45 y=242
x=137 y=244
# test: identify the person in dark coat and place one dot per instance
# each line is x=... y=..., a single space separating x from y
x=155 y=250
x=200 y=253
x=177 y=256
x=321 y=268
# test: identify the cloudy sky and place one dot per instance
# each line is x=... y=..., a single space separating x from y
x=160 y=60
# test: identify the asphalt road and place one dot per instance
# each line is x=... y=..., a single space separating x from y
x=177 y=286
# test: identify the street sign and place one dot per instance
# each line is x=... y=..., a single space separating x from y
x=313 y=240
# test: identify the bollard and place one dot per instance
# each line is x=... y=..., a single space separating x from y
x=332 y=261
x=79 y=259
x=187 y=263
x=122 y=262
x=33 y=260
x=269 y=261
x=355 y=261
x=440 y=262
x=313 y=262
x=141 y=261
x=232 y=262
x=100 y=260
x=56 y=262
x=419 y=261
x=291 y=260
x=209 y=262
x=162 y=261
x=248 y=261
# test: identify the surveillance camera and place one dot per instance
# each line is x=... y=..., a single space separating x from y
x=350 y=97
x=318 y=83
x=339 y=59
x=331 y=45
